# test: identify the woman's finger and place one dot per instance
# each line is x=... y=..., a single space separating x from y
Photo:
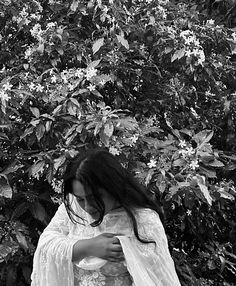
x=115 y=240
x=117 y=255
x=117 y=248
x=111 y=234
x=116 y=259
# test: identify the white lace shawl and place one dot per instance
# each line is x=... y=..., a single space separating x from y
x=148 y=264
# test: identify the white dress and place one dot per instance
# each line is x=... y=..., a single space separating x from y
x=144 y=265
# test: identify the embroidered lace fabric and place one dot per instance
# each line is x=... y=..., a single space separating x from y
x=145 y=264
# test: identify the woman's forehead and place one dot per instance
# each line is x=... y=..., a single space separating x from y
x=78 y=189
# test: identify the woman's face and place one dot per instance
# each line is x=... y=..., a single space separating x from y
x=86 y=200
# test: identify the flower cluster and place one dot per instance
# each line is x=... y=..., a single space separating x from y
x=188 y=153
x=57 y=185
x=193 y=47
x=25 y=16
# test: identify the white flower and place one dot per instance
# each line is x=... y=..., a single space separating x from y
x=182 y=143
x=195 y=52
x=79 y=73
x=142 y=47
x=70 y=86
x=27 y=21
x=189 y=40
x=190 y=151
x=189 y=212
x=194 y=113
x=91 y=87
x=114 y=151
x=90 y=73
x=186 y=33
x=32 y=86
x=210 y=22
x=54 y=79
x=134 y=138
x=208 y=93
x=64 y=76
x=23 y=13
x=51 y=25
x=4 y=96
x=102 y=82
x=197 y=42
x=152 y=163
x=39 y=88
x=57 y=185
x=183 y=153
x=28 y=53
x=36 y=30
x=188 y=53
x=234 y=36
x=34 y=16
x=194 y=164
x=7 y=86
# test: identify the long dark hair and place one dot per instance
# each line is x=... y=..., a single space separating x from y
x=97 y=169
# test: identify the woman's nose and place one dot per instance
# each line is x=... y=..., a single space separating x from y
x=88 y=208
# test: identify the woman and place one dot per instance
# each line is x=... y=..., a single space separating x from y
x=107 y=231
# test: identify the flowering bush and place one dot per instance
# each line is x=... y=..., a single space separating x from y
x=154 y=83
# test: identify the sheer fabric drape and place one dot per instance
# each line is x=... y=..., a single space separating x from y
x=147 y=264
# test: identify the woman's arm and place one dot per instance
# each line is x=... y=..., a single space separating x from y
x=157 y=257
x=52 y=264
x=148 y=263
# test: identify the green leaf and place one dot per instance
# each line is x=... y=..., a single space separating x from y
x=127 y=123
x=172 y=191
x=74 y=5
x=12 y=168
x=26 y=273
x=216 y=163
x=40 y=48
x=108 y=129
x=204 y=189
x=72 y=153
x=179 y=163
x=36 y=168
x=20 y=210
x=226 y=195
x=104 y=138
x=72 y=109
x=123 y=41
x=178 y=54
x=35 y=111
x=27 y=132
x=93 y=64
x=38 y=211
x=208 y=173
x=58 y=162
x=3 y=136
x=97 y=45
x=183 y=184
x=97 y=128
x=4 y=252
x=5 y=188
x=49 y=174
x=75 y=101
x=21 y=239
x=202 y=137
x=40 y=130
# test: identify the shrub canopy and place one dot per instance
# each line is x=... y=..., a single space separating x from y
x=152 y=81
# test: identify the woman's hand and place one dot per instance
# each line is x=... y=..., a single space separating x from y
x=106 y=246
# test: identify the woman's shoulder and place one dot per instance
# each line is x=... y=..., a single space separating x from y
x=147 y=215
